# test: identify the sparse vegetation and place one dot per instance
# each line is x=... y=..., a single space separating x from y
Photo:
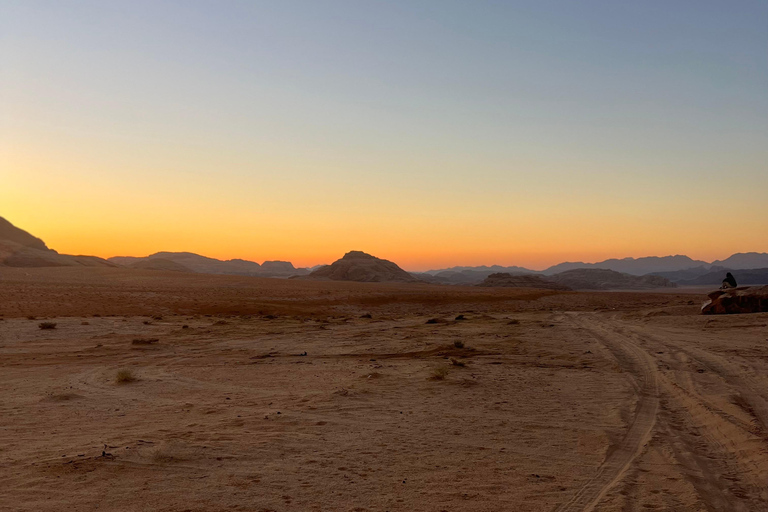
x=460 y=317
x=147 y=322
x=513 y=322
x=125 y=376
x=456 y=362
x=47 y=325
x=433 y=321
x=439 y=373
x=458 y=344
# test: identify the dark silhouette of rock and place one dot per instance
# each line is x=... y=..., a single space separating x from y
x=362 y=267
x=744 y=299
x=603 y=279
x=20 y=249
x=11 y=233
x=729 y=281
x=507 y=280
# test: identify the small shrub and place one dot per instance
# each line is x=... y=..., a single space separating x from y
x=458 y=344
x=185 y=327
x=513 y=322
x=31 y=317
x=147 y=322
x=439 y=373
x=460 y=317
x=433 y=321
x=47 y=325
x=124 y=377
x=456 y=362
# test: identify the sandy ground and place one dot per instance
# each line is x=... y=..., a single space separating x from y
x=555 y=401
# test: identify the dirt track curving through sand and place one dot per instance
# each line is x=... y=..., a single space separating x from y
x=642 y=369
x=722 y=453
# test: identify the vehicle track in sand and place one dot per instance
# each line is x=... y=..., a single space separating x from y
x=642 y=368
x=725 y=458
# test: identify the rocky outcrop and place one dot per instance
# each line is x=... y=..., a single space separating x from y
x=20 y=249
x=744 y=299
x=507 y=280
x=603 y=279
x=362 y=267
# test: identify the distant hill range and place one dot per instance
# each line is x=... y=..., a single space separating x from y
x=20 y=249
x=190 y=262
x=678 y=269
x=362 y=267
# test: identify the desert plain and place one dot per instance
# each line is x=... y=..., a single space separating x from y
x=190 y=392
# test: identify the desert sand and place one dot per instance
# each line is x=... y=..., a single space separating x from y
x=258 y=394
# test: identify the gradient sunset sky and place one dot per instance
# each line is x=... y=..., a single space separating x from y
x=432 y=133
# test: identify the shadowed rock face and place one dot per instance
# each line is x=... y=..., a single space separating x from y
x=507 y=280
x=13 y=234
x=745 y=299
x=362 y=267
x=20 y=249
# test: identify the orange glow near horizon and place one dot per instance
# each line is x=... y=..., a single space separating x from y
x=468 y=136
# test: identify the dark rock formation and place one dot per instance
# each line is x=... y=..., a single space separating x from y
x=362 y=267
x=603 y=279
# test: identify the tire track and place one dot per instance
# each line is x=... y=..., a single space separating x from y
x=643 y=370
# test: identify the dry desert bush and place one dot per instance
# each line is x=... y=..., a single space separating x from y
x=439 y=373
x=125 y=376
x=47 y=325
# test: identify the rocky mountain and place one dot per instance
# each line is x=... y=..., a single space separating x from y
x=605 y=279
x=191 y=262
x=507 y=280
x=362 y=267
x=20 y=249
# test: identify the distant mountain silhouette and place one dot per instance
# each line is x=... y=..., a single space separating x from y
x=362 y=267
x=204 y=265
x=20 y=249
x=744 y=260
x=605 y=279
x=634 y=266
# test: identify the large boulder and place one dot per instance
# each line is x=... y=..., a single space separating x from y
x=744 y=299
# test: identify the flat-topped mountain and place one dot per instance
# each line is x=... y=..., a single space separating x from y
x=507 y=280
x=362 y=267
x=21 y=249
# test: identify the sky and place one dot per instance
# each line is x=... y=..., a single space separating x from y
x=431 y=133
